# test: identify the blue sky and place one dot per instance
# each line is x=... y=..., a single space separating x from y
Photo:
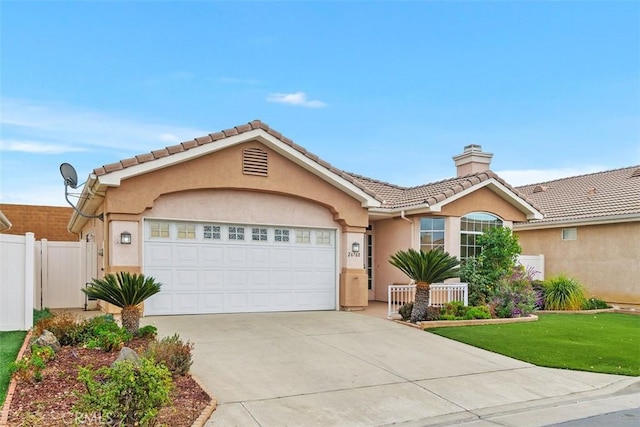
x=389 y=90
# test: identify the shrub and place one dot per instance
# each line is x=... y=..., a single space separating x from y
x=64 y=326
x=125 y=394
x=563 y=293
x=405 y=311
x=103 y=332
x=514 y=295
x=479 y=312
x=433 y=313
x=29 y=368
x=595 y=304
x=38 y=315
x=148 y=331
x=171 y=352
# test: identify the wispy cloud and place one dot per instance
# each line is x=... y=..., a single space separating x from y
x=518 y=178
x=36 y=147
x=296 y=98
x=238 y=81
x=46 y=128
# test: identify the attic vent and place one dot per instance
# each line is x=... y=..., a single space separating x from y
x=254 y=162
x=540 y=188
x=635 y=173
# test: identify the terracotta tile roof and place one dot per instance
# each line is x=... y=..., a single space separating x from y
x=391 y=196
x=396 y=197
x=608 y=193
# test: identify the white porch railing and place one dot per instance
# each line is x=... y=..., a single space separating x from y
x=439 y=295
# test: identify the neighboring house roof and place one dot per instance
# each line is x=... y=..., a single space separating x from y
x=609 y=196
x=46 y=222
x=382 y=197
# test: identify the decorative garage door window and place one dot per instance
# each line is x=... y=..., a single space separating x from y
x=186 y=231
x=259 y=234
x=303 y=236
x=236 y=233
x=211 y=232
x=323 y=237
x=159 y=230
x=281 y=235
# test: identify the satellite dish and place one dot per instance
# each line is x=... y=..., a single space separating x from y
x=71 y=180
x=69 y=174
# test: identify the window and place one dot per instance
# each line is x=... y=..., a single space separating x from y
x=159 y=230
x=569 y=233
x=186 y=231
x=431 y=233
x=259 y=234
x=323 y=237
x=281 y=235
x=472 y=226
x=303 y=236
x=211 y=232
x=236 y=233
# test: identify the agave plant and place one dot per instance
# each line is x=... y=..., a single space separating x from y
x=425 y=268
x=125 y=290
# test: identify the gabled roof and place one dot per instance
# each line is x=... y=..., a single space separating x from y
x=382 y=197
x=603 y=196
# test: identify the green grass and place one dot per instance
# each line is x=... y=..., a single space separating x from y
x=606 y=342
x=10 y=343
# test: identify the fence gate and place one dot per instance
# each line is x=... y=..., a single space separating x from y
x=59 y=274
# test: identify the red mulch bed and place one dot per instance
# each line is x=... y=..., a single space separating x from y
x=50 y=401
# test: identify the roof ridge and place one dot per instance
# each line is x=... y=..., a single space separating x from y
x=578 y=176
x=377 y=181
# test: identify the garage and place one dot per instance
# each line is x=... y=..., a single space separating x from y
x=209 y=267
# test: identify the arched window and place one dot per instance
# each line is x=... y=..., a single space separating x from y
x=471 y=226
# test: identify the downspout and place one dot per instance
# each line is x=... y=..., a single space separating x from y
x=410 y=222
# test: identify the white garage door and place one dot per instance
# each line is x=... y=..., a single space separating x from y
x=234 y=268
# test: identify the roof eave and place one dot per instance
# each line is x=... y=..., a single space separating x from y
x=90 y=200
x=5 y=224
x=576 y=222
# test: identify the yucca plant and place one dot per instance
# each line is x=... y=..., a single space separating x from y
x=425 y=268
x=563 y=293
x=125 y=290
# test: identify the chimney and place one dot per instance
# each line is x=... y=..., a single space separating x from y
x=472 y=160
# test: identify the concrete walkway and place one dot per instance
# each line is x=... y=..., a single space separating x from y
x=345 y=369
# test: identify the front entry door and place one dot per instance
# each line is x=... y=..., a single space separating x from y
x=368 y=260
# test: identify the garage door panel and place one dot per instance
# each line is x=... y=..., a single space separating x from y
x=259 y=257
x=186 y=255
x=211 y=255
x=235 y=279
x=236 y=302
x=216 y=275
x=157 y=254
x=185 y=302
x=235 y=256
x=211 y=279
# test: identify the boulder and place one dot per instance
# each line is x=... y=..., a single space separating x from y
x=47 y=339
x=127 y=354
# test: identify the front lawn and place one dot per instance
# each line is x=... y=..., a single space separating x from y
x=10 y=343
x=606 y=342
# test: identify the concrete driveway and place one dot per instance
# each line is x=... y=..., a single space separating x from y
x=346 y=369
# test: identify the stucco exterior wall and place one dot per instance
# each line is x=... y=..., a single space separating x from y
x=223 y=170
x=483 y=200
x=391 y=235
x=604 y=258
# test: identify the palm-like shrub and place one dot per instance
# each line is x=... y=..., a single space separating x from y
x=563 y=293
x=425 y=268
x=125 y=290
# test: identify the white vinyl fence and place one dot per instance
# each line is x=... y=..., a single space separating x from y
x=439 y=295
x=38 y=274
x=17 y=281
x=534 y=263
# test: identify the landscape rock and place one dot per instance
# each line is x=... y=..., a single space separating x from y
x=47 y=339
x=127 y=354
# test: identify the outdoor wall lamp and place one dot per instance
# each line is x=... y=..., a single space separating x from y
x=355 y=247
x=125 y=238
